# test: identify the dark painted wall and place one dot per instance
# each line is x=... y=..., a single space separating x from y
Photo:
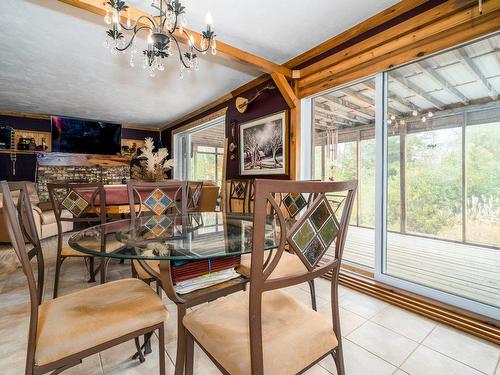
x=267 y=103
x=26 y=164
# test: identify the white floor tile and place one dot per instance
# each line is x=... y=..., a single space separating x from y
x=425 y=361
x=408 y=324
x=465 y=348
x=349 y=321
x=359 y=361
x=392 y=347
x=362 y=304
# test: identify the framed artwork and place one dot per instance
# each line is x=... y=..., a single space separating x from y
x=264 y=146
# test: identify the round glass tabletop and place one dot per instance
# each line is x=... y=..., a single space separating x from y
x=195 y=236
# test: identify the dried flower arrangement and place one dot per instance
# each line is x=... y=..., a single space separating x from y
x=152 y=165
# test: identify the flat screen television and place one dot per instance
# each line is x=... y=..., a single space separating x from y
x=81 y=136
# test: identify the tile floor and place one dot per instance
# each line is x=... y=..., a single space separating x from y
x=379 y=339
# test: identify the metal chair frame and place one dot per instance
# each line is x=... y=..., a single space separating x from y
x=21 y=226
x=94 y=214
x=265 y=194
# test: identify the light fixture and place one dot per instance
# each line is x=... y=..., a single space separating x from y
x=165 y=30
x=414 y=113
x=430 y=114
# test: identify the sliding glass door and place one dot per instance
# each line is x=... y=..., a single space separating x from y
x=442 y=176
x=423 y=142
x=344 y=149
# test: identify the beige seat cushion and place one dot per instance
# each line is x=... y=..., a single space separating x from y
x=70 y=324
x=294 y=335
x=288 y=265
x=49 y=217
x=142 y=273
x=112 y=244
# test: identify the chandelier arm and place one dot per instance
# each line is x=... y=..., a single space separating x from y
x=137 y=24
x=132 y=38
x=181 y=57
x=194 y=45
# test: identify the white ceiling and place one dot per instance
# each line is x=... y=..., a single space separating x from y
x=53 y=60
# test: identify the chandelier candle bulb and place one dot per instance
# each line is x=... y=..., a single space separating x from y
x=209 y=20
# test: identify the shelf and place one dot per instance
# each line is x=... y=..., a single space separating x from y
x=2 y=151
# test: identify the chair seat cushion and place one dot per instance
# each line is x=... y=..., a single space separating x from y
x=112 y=244
x=288 y=265
x=293 y=335
x=49 y=217
x=141 y=272
x=70 y=324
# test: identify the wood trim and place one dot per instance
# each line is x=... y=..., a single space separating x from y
x=202 y=120
x=295 y=138
x=484 y=327
x=412 y=38
x=137 y=127
x=477 y=26
x=25 y=115
x=198 y=112
x=387 y=38
x=370 y=23
x=285 y=89
x=266 y=66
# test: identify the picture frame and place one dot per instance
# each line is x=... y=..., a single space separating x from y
x=263 y=145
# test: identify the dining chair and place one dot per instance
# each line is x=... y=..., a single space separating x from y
x=83 y=203
x=291 y=205
x=241 y=196
x=264 y=330
x=65 y=330
x=156 y=198
x=149 y=270
x=194 y=191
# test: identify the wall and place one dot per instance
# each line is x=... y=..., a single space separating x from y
x=26 y=163
x=266 y=104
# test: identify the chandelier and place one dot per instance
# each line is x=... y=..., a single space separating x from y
x=170 y=19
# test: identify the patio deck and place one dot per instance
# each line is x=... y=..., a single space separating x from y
x=466 y=270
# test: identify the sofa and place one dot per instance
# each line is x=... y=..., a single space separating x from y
x=45 y=219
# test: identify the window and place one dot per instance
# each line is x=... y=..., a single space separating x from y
x=443 y=174
x=199 y=152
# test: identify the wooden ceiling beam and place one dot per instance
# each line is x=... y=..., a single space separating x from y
x=285 y=89
x=476 y=26
x=389 y=38
x=266 y=66
x=369 y=24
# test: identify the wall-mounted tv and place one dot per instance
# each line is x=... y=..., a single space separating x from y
x=81 y=136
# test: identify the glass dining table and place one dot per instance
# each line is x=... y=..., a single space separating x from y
x=174 y=240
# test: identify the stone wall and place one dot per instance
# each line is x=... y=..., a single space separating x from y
x=108 y=176
x=63 y=168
